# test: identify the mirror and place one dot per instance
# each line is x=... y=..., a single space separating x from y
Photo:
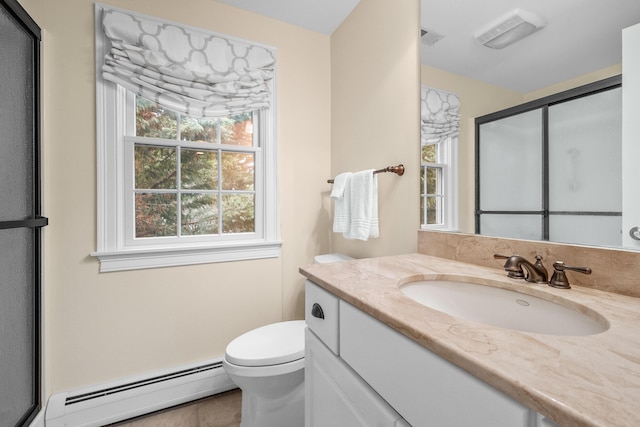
x=580 y=44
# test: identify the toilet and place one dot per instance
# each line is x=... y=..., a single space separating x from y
x=267 y=364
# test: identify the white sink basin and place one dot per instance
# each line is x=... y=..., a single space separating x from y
x=503 y=308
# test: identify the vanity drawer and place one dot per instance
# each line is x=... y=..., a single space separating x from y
x=322 y=315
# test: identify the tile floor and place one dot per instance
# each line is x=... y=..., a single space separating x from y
x=221 y=410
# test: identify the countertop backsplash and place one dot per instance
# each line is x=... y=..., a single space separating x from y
x=613 y=270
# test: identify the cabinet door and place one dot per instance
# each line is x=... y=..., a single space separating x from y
x=426 y=389
x=336 y=396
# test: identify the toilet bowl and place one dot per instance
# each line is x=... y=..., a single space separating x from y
x=267 y=364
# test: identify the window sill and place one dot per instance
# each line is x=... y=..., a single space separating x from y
x=136 y=259
x=439 y=228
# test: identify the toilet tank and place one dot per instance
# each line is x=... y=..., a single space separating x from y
x=323 y=259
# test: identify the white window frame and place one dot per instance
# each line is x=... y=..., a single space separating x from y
x=116 y=251
x=448 y=164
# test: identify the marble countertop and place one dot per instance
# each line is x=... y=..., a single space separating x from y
x=589 y=380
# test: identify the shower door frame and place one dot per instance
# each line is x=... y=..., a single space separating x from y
x=35 y=221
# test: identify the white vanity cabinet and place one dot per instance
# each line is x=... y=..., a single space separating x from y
x=398 y=374
x=335 y=396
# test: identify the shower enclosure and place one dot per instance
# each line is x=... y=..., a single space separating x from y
x=551 y=169
x=20 y=220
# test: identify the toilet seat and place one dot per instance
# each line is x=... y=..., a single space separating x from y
x=275 y=344
x=262 y=371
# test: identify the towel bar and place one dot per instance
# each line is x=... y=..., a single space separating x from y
x=398 y=170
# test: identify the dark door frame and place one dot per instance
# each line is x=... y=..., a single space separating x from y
x=36 y=221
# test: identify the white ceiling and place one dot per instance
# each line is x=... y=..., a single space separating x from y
x=581 y=35
x=322 y=16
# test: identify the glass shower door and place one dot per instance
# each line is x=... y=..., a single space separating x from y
x=551 y=169
x=585 y=176
x=510 y=177
x=19 y=217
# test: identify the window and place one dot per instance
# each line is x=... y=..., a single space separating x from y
x=438 y=160
x=433 y=182
x=190 y=177
x=176 y=188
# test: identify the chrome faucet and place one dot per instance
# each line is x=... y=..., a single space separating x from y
x=517 y=267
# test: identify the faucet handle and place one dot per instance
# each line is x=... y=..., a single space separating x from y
x=561 y=266
x=511 y=266
x=559 y=278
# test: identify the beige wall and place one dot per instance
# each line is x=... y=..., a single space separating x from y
x=102 y=327
x=375 y=116
x=477 y=99
x=611 y=71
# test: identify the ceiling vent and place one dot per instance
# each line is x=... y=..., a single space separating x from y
x=510 y=28
x=429 y=37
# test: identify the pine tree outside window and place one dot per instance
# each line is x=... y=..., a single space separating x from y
x=192 y=177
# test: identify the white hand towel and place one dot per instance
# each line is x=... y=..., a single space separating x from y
x=339 y=184
x=363 y=205
x=340 y=195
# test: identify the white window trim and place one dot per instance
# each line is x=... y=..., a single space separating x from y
x=450 y=191
x=112 y=252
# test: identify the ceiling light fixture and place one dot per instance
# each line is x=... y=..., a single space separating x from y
x=430 y=37
x=510 y=28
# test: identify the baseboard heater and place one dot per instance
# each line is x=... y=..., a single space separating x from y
x=118 y=401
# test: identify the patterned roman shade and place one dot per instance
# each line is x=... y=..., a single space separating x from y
x=440 y=116
x=186 y=69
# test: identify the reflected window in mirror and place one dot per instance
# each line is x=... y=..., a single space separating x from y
x=551 y=169
x=440 y=128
